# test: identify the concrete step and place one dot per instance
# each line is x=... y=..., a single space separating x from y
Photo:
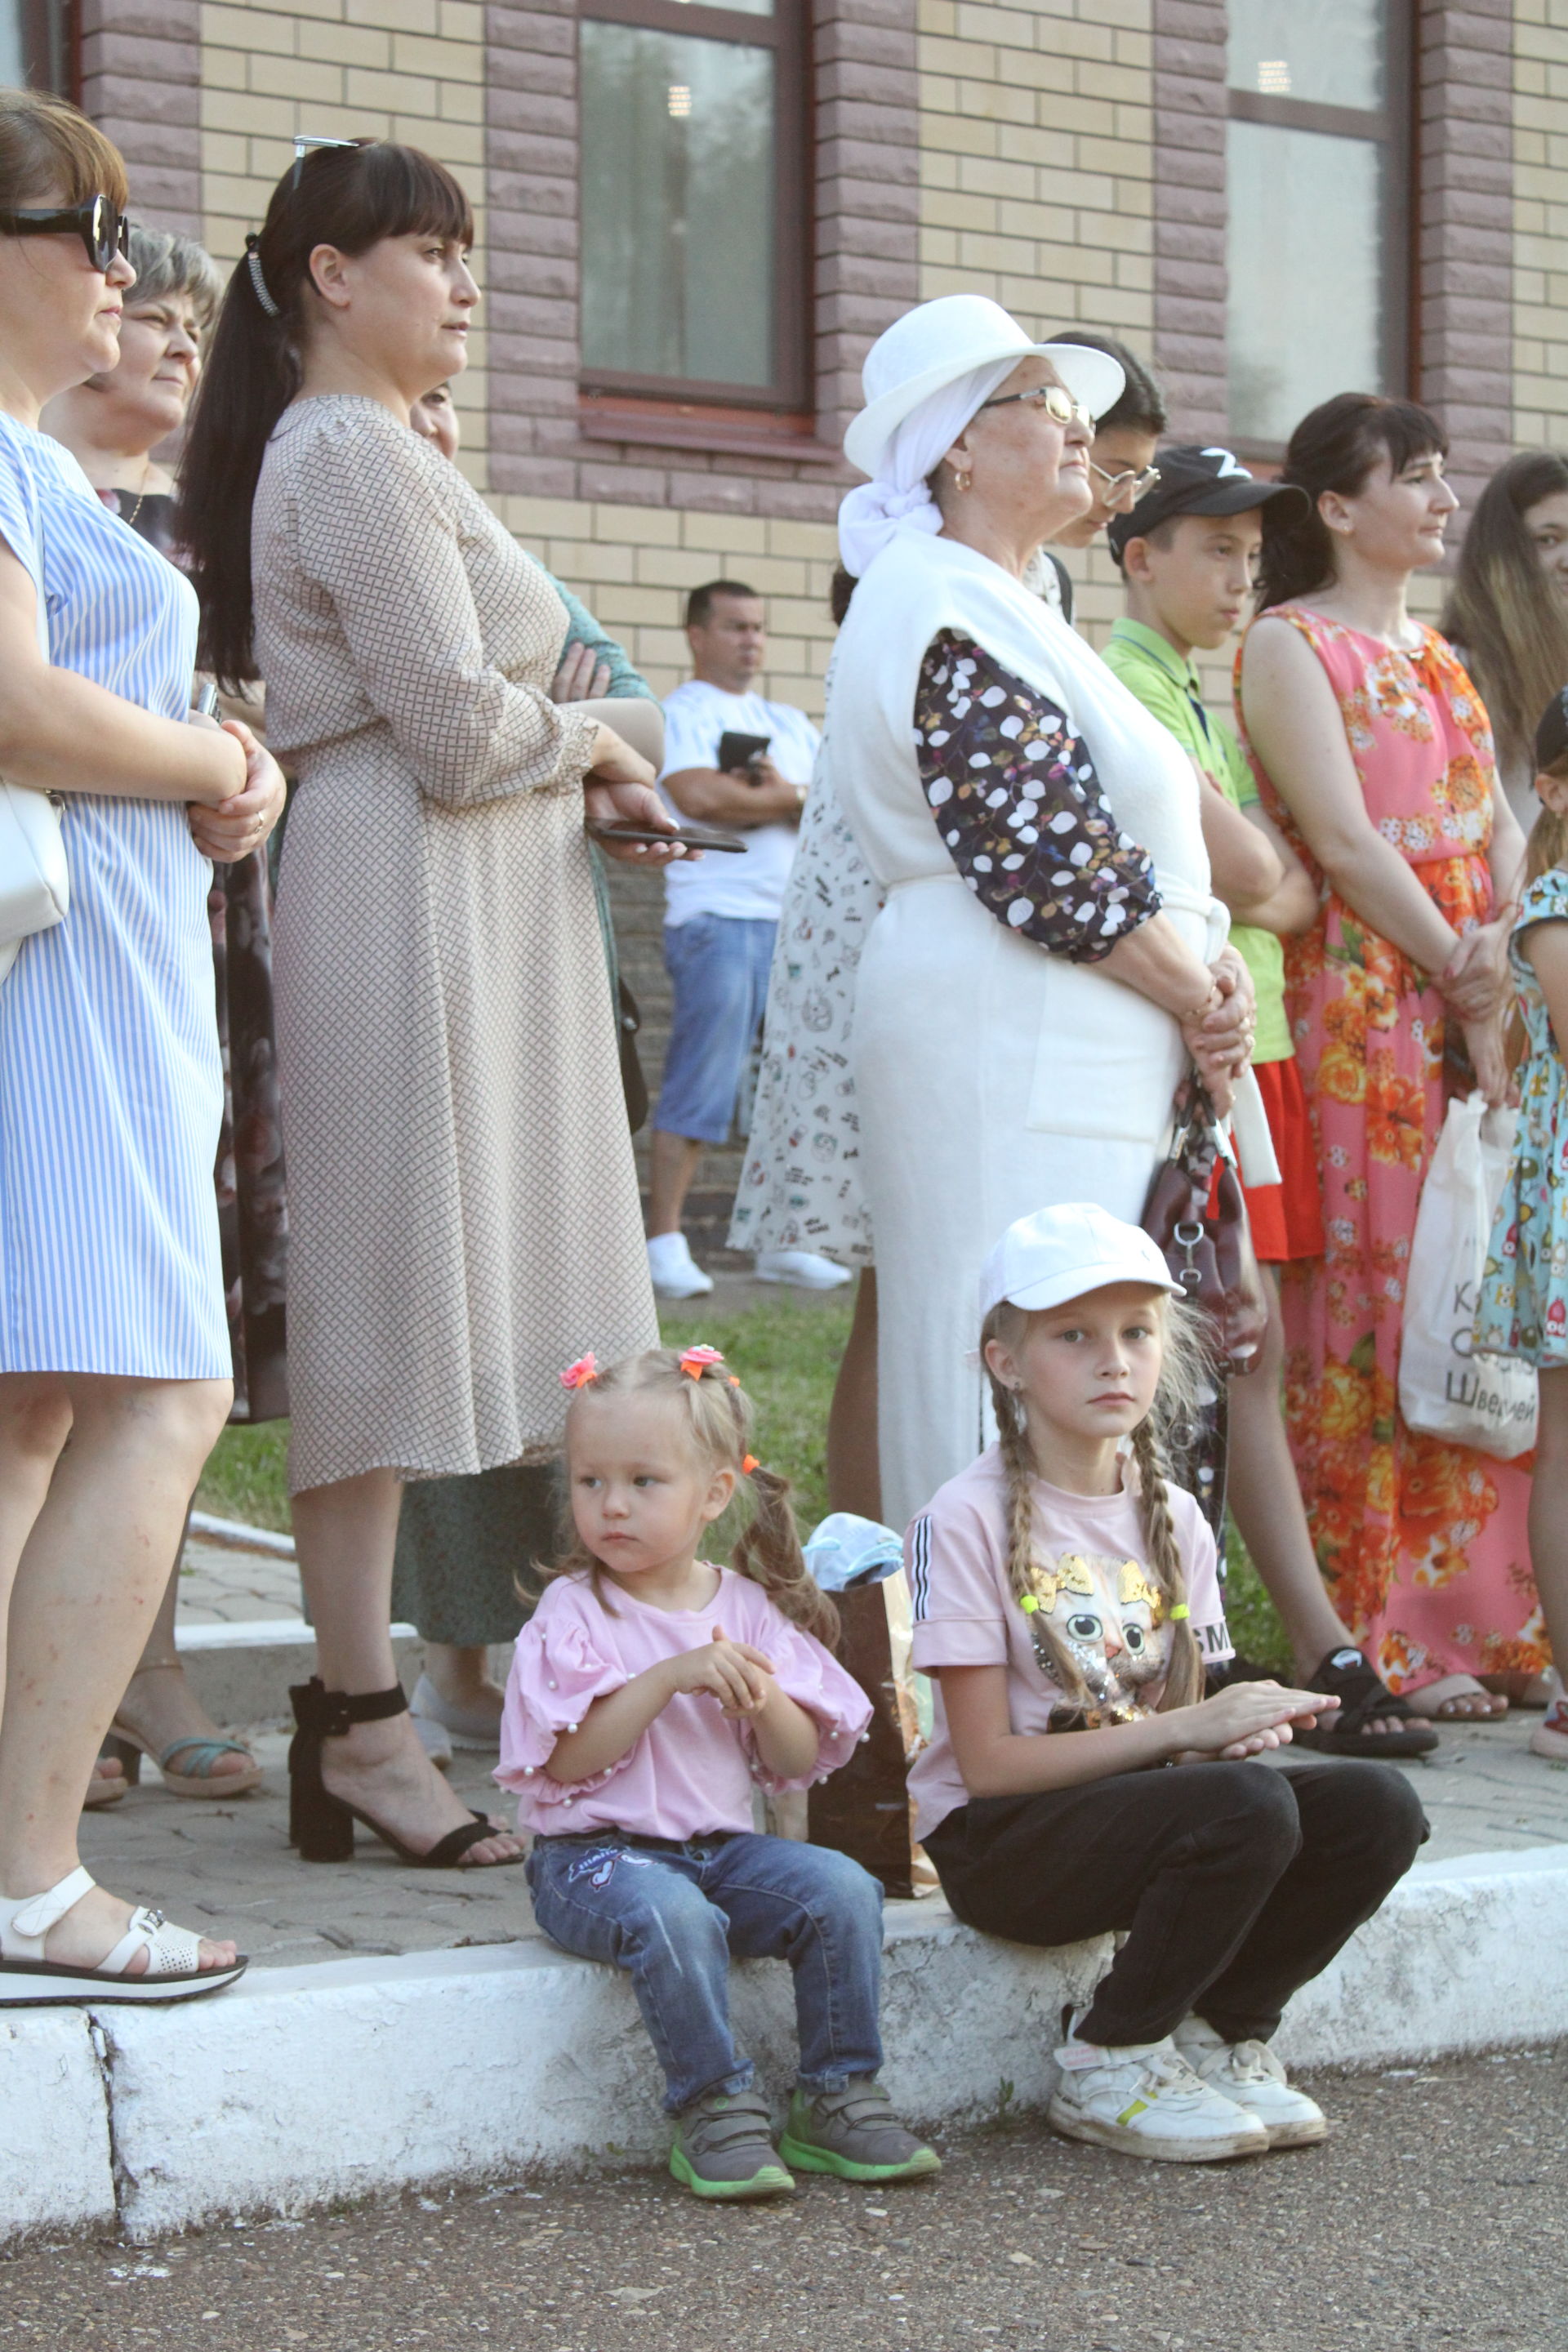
x=241 y=1673
x=304 y=2087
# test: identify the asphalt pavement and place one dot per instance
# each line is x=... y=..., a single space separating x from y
x=1435 y=2215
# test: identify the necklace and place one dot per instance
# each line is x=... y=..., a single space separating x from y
x=136 y=510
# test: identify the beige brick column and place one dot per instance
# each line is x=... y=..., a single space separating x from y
x=1465 y=174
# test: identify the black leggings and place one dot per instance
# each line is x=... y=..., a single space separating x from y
x=1236 y=1883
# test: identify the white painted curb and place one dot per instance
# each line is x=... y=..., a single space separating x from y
x=346 y=2080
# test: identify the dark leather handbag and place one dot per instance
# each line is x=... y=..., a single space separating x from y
x=1205 y=1234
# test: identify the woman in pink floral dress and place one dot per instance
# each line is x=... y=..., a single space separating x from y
x=1372 y=748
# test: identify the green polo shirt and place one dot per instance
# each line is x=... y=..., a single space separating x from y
x=1150 y=666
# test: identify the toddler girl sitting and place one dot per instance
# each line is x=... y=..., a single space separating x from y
x=648 y=1696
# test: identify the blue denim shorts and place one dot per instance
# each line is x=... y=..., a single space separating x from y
x=719 y=965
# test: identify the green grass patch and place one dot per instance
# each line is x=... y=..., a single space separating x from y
x=247 y=1476
x=786 y=1355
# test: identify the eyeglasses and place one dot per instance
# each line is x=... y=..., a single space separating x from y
x=1059 y=406
x=102 y=226
x=1125 y=489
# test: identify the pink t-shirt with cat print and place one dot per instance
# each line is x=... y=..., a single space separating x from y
x=1091 y=1585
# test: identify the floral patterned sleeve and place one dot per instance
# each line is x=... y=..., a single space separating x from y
x=1019 y=807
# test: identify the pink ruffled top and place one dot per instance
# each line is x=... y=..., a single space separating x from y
x=693 y=1770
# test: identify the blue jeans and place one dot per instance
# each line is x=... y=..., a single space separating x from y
x=671 y=1915
x=718 y=967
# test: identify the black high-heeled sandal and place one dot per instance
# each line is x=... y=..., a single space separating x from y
x=322 y=1825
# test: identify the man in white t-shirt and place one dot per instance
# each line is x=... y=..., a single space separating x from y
x=721 y=913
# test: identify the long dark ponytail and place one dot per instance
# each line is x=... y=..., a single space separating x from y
x=1335 y=447
x=350 y=197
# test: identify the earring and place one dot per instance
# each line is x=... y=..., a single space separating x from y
x=961 y=479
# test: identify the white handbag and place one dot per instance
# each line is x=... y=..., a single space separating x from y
x=1447 y=1388
x=35 y=880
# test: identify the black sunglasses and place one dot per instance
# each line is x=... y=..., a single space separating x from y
x=102 y=228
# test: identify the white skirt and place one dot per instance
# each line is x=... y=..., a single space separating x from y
x=992 y=1080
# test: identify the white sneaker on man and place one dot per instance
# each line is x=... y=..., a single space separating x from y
x=803 y=1269
x=1249 y=2072
x=675 y=1271
x=1145 y=2100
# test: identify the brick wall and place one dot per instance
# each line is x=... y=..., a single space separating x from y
x=1466 y=237
x=1539 y=223
x=864 y=232
x=407 y=70
x=140 y=74
x=1190 y=215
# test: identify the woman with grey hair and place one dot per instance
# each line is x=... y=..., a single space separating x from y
x=113 y=425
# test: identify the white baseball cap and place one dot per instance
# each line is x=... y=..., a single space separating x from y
x=935 y=344
x=1060 y=1253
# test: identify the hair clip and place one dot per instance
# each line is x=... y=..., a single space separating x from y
x=1029 y=1604
x=748 y=1462
x=253 y=263
x=578 y=1375
x=1181 y=1610
x=733 y=1378
x=695 y=1361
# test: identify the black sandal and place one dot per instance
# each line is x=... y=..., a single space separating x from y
x=322 y=1825
x=1363 y=1696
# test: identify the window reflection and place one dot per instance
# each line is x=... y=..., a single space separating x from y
x=677 y=203
x=1306 y=292
x=1327 y=51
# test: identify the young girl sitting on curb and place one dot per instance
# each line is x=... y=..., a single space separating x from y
x=1061 y=1588
x=648 y=1695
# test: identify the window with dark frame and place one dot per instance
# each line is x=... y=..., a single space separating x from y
x=35 y=45
x=693 y=198
x=1317 y=152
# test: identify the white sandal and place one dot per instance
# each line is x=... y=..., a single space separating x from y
x=173 y=1972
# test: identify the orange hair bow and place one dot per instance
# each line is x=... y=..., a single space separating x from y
x=695 y=1361
x=578 y=1375
x=748 y=1462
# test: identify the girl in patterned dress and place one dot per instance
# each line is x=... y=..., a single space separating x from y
x=1523 y=1308
x=1373 y=748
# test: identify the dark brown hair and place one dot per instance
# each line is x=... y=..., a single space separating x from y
x=1335 y=447
x=699 y=604
x=47 y=145
x=1140 y=407
x=719 y=1414
x=1509 y=623
x=351 y=197
x=1548 y=844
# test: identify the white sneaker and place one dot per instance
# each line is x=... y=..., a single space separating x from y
x=675 y=1271
x=1145 y=2100
x=803 y=1269
x=1250 y=2073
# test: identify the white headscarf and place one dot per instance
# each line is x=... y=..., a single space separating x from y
x=872 y=512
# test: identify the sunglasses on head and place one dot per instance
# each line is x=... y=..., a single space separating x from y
x=102 y=228
x=1059 y=406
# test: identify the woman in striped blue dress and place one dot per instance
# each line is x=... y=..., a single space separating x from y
x=112 y=1328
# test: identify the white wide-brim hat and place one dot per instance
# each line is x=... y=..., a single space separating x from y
x=1065 y=1252
x=933 y=345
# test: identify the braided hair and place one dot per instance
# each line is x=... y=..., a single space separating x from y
x=720 y=1418
x=1181 y=1381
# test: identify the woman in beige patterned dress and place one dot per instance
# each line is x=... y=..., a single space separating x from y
x=463 y=1203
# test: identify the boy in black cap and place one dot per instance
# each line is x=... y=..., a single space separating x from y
x=1187 y=551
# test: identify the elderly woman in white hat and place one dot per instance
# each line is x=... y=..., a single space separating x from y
x=1050 y=955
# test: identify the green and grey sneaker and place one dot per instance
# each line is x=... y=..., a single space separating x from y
x=854 y=2133
x=724 y=2148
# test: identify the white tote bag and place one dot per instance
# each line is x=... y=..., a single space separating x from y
x=35 y=880
x=1447 y=1387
